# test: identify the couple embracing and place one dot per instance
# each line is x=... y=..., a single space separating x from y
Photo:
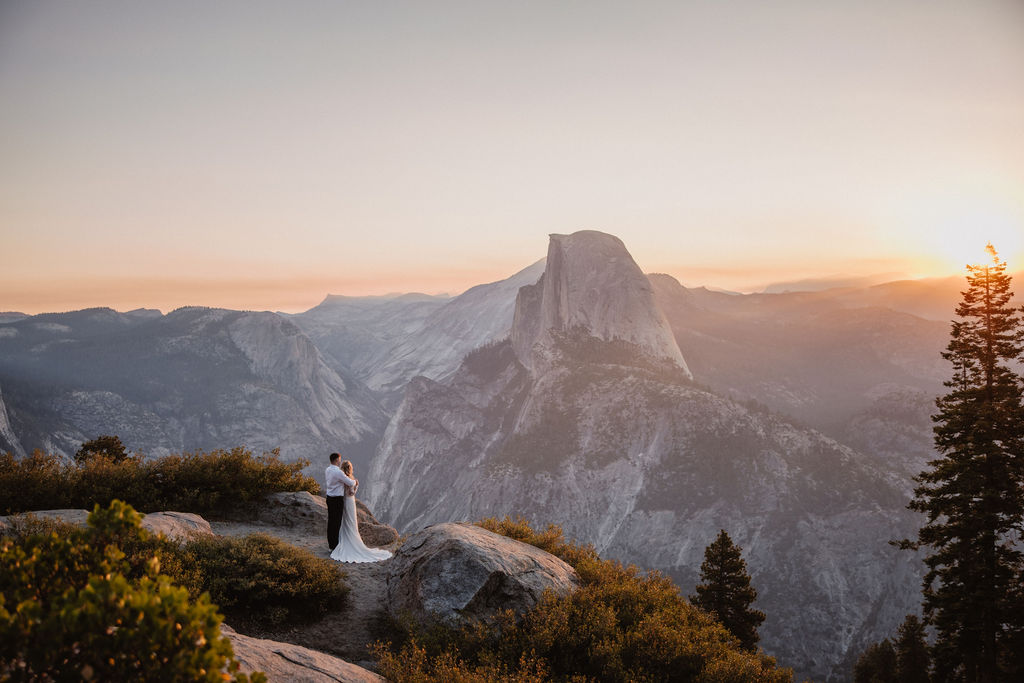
x=342 y=524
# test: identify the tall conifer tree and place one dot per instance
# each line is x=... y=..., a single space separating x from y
x=972 y=495
x=913 y=661
x=726 y=592
x=877 y=664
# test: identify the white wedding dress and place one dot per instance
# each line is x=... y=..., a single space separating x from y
x=350 y=546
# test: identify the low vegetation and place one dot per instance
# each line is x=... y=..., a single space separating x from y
x=200 y=482
x=620 y=625
x=253 y=580
x=73 y=607
x=262 y=580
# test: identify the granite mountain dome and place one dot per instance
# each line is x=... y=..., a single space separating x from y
x=591 y=286
x=605 y=433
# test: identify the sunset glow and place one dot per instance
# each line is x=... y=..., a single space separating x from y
x=250 y=156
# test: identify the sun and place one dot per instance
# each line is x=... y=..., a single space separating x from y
x=962 y=240
x=955 y=234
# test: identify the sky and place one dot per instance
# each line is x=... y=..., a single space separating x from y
x=260 y=155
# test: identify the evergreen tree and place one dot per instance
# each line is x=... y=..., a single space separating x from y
x=726 y=592
x=108 y=446
x=972 y=494
x=877 y=664
x=912 y=658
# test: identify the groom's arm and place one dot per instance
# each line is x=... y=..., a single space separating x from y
x=331 y=477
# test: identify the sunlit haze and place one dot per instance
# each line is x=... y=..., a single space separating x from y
x=265 y=154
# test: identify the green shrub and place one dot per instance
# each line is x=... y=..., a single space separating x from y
x=260 y=579
x=28 y=483
x=107 y=446
x=412 y=664
x=551 y=540
x=255 y=579
x=69 y=612
x=198 y=482
x=620 y=625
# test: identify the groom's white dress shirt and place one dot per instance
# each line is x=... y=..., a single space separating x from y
x=337 y=481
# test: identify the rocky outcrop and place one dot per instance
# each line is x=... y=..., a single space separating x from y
x=77 y=517
x=288 y=662
x=9 y=442
x=591 y=286
x=302 y=509
x=460 y=572
x=176 y=525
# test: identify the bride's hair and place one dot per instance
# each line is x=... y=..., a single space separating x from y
x=346 y=467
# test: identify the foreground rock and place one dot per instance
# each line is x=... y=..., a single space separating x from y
x=460 y=572
x=176 y=525
x=288 y=662
x=302 y=510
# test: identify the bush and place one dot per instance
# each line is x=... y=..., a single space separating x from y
x=620 y=625
x=27 y=483
x=583 y=558
x=107 y=446
x=199 y=482
x=69 y=612
x=254 y=580
x=261 y=580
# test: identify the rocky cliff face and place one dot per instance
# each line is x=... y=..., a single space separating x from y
x=606 y=434
x=581 y=271
x=9 y=442
x=386 y=342
x=193 y=379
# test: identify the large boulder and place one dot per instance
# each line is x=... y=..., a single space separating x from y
x=288 y=662
x=459 y=572
x=76 y=517
x=303 y=510
x=176 y=525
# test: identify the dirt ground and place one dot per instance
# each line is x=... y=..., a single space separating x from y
x=346 y=633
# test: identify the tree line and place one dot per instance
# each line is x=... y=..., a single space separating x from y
x=972 y=497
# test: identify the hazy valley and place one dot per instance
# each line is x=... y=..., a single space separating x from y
x=641 y=415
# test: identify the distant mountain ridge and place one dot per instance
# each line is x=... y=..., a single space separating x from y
x=385 y=343
x=866 y=376
x=195 y=378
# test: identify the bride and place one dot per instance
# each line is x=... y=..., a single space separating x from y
x=350 y=546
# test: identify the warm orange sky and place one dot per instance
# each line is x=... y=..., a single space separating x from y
x=264 y=154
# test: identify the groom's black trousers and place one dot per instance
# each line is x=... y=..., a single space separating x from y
x=335 y=510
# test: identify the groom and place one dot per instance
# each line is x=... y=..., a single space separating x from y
x=336 y=483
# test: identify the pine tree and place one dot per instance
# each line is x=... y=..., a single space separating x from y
x=972 y=494
x=877 y=664
x=912 y=658
x=726 y=592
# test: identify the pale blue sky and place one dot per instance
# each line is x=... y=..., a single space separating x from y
x=255 y=154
